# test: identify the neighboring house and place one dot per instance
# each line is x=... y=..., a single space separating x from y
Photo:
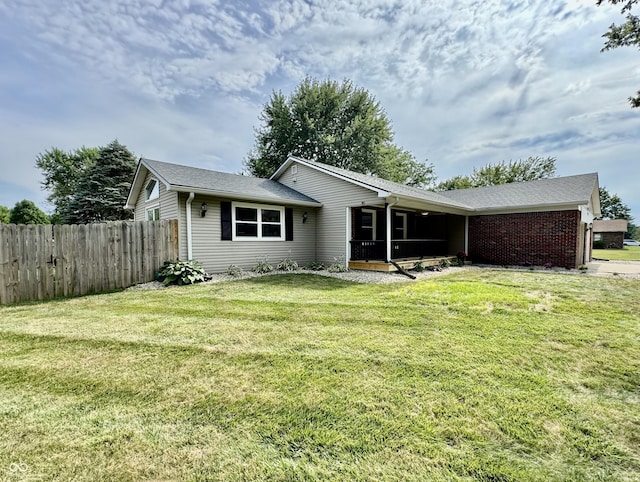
x=610 y=232
x=313 y=212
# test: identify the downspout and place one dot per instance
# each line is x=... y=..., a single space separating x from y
x=189 y=237
x=388 y=227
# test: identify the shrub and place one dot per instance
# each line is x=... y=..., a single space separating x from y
x=461 y=255
x=314 y=266
x=337 y=266
x=598 y=245
x=234 y=270
x=182 y=273
x=445 y=263
x=263 y=266
x=287 y=264
x=418 y=266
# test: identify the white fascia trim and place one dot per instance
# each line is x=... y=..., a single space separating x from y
x=429 y=205
x=572 y=206
x=246 y=197
x=138 y=180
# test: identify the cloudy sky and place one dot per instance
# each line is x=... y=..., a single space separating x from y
x=464 y=82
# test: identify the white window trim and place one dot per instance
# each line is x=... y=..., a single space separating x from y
x=156 y=188
x=151 y=208
x=374 y=215
x=259 y=207
x=404 y=225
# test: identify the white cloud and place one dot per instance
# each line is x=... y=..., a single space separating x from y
x=465 y=83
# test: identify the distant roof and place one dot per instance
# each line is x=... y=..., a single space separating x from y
x=610 y=226
x=378 y=184
x=567 y=190
x=204 y=181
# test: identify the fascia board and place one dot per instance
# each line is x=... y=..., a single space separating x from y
x=244 y=197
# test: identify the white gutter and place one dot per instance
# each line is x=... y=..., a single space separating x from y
x=189 y=237
x=388 y=227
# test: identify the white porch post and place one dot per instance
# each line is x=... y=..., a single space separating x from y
x=347 y=247
x=387 y=208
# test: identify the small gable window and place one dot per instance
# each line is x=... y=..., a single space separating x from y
x=152 y=190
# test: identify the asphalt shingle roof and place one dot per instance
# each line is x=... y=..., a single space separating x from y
x=544 y=192
x=610 y=226
x=185 y=178
x=555 y=191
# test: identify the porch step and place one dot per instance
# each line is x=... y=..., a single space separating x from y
x=406 y=264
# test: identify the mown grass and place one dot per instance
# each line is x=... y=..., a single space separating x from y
x=628 y=253
x=476 y=375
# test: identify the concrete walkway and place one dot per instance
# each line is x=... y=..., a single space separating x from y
x=614 y=266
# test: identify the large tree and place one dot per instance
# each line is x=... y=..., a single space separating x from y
x=612 y=207
x=623 y=35
x=26 y=212
x=102 y=192
x=62 y=171
x=335 y=123
x=522 y=170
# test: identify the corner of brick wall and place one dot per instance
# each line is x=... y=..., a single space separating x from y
x=529 y=239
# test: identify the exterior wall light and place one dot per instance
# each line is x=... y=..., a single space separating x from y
x=203 y=210
x=305 y=216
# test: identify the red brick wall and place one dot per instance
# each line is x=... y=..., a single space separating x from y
x=529 y=239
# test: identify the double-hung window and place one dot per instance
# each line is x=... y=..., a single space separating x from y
x=258 y=222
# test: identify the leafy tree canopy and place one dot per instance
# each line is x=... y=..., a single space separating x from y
x=529 y=169
x=62 y=171
x=612 y=207
x=102 y=192
x=26 y=212
x=5 y=214
x=335 y=123
x=626 y=34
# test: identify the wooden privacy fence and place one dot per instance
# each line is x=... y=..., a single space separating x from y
x=39 y=262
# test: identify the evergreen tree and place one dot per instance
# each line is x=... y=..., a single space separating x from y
x=102 y=193
x=26 y=212
x=334 y=123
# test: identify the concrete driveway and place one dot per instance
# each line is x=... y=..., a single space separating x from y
x=630 y=268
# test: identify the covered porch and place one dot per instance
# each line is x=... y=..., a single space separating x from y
x=382 y=236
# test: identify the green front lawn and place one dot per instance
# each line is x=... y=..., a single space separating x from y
x=629 y=253
x=474 y=375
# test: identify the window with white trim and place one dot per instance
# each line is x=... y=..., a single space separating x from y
x=257 y=222
x=153 y=213
x=152 y=190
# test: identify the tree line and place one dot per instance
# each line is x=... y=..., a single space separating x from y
x=332 y=122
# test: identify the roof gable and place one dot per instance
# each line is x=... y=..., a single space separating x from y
x=180 y=178
x=382 y=187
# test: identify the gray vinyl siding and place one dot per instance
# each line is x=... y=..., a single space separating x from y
x=336 y=195
x=216 y=255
